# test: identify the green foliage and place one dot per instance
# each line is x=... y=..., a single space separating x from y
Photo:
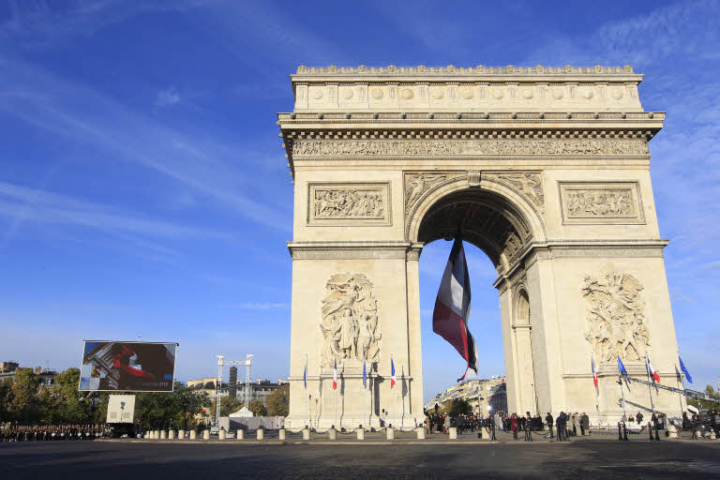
x=24 y=403
x=457 y=406
x=25 y=400
x=229 y=405
x=177 y=409
x=257 y=407
x=706 y=404
x=278 y=402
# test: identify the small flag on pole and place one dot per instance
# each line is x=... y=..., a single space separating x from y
x=335 y=376
x=595 y=377
x=364 y=376
x=392 y=373
x=305 y=374
x=684 y=370
x=652 y=371
x=621 y=367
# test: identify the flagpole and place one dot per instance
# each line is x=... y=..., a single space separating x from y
x=307 y=399
x=647 y=371
x=597 y=387
x=392 y=393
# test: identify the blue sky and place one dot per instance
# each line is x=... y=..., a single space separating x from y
x=143 y=189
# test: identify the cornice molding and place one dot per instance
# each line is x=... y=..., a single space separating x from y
x=464 y=71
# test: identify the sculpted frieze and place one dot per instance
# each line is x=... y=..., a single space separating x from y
x=529 y=183
x=352 y=202
x=460 y=147
x=419 y=183
x=349 y=323
x=615 y=315
x=601 y=202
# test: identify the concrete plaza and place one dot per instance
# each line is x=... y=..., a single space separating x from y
x=588 y=457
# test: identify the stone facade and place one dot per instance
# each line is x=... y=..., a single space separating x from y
x=547 y=169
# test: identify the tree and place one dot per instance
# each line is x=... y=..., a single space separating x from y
x=5 y=400
x=229 y=405
x=257 y=407
x=24 y=402
x=73 y=407
x=706 y=404
x=278 y=402
x=457 y=406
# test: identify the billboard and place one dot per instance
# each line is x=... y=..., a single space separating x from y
x=127 y=366
x=121 y=409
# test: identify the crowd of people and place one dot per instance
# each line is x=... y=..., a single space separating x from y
x=17 y=432
x=702 y=424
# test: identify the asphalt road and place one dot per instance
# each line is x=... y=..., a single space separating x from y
x=578 y=460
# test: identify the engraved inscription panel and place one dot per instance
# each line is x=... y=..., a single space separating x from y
x=589 y=203
x=349 y=204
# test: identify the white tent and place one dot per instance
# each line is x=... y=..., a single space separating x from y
x=243 y=412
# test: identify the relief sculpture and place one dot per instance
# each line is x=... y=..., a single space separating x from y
x=528 y=183
x=416 y=184
x=600 y=203
x=430 y=147
x=615 y=316
x=349 y=324
x=344 y=203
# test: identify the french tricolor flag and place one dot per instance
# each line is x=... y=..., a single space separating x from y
x=392 y=373
x=652 y=370
x=595 y=377
x=452 y=309
x=335 y=376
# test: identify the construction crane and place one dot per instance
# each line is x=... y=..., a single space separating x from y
x=248 y=379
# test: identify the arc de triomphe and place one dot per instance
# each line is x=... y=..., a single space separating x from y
x=547 y=172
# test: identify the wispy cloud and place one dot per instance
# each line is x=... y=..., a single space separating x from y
x=88 y=117
x=167 y=98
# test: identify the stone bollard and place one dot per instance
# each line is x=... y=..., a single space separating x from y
x=332 y=433
x=390 y=433
x=206 y=434
x=240 y=434
x=281 y=434
x=154 y=434
x=163 y=435
x=193 y=434
x=361 y=433
x=698 y=434
x=712 y=435
x=222 y=434
x=672 y=431
x=181 y=434
x=260 y=433
x=171 y=435
x=306 y=433
x=453 y=433
x=420 y=433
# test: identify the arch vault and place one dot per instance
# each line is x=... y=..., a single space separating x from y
x=546 y=170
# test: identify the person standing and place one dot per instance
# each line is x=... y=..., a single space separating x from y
x=514 y=425
x=528 y=428
x=584 y=424
x=549 y=420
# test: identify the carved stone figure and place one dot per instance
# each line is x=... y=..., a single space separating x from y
x=344 y=203
x=418 y=183
x=349 y=323
x=600 y=203
x=528 y=183
x=615 y=316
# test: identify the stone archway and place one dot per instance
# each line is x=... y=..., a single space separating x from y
x=545 y=169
